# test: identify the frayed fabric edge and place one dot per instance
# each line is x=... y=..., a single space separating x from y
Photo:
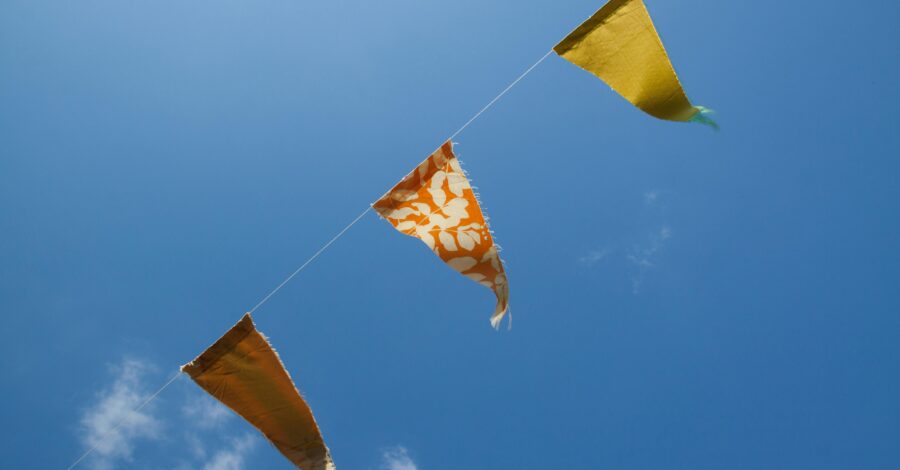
x=498 y=316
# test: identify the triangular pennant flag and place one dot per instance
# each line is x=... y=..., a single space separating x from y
x=620 y=45
x=242 y=371
x=435 y=203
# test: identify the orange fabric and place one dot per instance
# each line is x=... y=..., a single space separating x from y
x=435 y=203
x=242 y=371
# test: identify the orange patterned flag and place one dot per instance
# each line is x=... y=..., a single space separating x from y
x=435 y=203
x=242 y=371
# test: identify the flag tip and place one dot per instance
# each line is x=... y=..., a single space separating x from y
x=704 y=116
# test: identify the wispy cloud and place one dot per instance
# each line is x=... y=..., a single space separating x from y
x=112 y=424
x=595 y=256
x=643 y=251
x=397 y=458
x=205 y=412
x=115 y=427
x=233 y=457
x=643 y=258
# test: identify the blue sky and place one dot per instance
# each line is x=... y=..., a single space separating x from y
x=681 y=298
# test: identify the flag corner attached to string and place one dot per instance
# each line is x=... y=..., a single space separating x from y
x=620 y=45
x=436 y=204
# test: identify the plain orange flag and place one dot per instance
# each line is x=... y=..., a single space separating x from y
x=242 y=371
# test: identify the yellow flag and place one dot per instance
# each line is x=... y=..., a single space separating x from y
x=620 y=45
x=242 y=371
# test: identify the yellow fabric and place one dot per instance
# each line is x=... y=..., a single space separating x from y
x=620 y=45
x=435 y=203
x=242 y=371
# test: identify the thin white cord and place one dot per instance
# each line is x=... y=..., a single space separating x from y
x=470 y=121
x=178 y=374
x=310 y=260
x=476 y=116
x=122 y=421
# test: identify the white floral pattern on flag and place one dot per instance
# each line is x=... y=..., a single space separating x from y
x=435 y=203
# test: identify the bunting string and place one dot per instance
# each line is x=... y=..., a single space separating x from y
x=618 y=44
x=360 y=216
x=310 y=260
x=305 y=264
x=497 y=98
x=122 y=421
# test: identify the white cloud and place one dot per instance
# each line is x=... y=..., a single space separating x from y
x=113 y=424
x=204 y=412
x=232 y=458
x=595 y=256
x=665 y=233
x=397 y=458
x=643 y=258
x=195 y=445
